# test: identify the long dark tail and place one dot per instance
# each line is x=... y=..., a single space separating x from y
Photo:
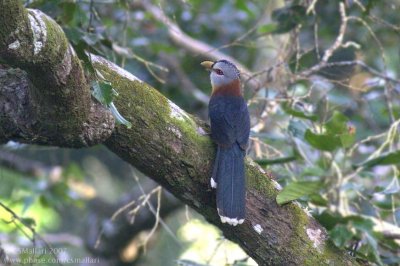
x=229 y=175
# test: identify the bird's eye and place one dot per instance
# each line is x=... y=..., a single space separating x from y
x=218 y=71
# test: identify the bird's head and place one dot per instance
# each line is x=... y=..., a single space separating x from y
x=222 y=73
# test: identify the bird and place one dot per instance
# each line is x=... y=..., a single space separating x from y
x=230 y=130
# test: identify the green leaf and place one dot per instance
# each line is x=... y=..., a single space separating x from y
x=243 y=5
x=118 y=117
x=314 y=170
x=80 y=49
x=374 y=250
x=44 y=202
x=318 y=200
x=360 y=223
x=347 y=139
x=267 y=28
x=328 y=220
x=73 y=34
x=29 y=222
x=69 y=11
x=103 y=92
x=281 y=160
x=337 y=124
x=338 y=133
x=385 y=159
x=323 y=142
x=297 y=190
x=298 y=113
x=340 y=235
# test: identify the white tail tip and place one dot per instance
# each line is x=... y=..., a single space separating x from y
x=213 y=183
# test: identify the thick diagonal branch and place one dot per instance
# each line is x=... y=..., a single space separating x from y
x=173 y=148
x=55 y=105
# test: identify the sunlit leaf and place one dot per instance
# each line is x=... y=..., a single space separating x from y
x=297 y=190
x=267 y=28
x=323 y=142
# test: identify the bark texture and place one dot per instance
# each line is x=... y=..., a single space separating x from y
x=54 y=107
x=167 y=144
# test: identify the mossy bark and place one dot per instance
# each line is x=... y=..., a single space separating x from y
x=174 y=149
x=59 y=101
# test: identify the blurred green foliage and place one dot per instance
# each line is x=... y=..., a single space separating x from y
x=331 y=138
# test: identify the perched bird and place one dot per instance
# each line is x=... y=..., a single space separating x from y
x=230 y=128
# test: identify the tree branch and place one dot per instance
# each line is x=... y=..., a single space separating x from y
x=55 y=105
x=195 y=46
x=172 y=147
x=26 y=166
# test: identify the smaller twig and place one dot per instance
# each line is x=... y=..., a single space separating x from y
x=89 y=27
x=311 y=7
x=316 y=44
x=27 y=166
x=32 y=230
x=186 y=84
x=368 y=139
x=151 y=208
x=339 y=39
x=360 y=5
x=369 y=69
x=156 y=223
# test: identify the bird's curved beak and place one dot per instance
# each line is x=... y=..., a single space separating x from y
x=207 y=64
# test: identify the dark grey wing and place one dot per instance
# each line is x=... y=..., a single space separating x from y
x=222 y=128
x=243 y=126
